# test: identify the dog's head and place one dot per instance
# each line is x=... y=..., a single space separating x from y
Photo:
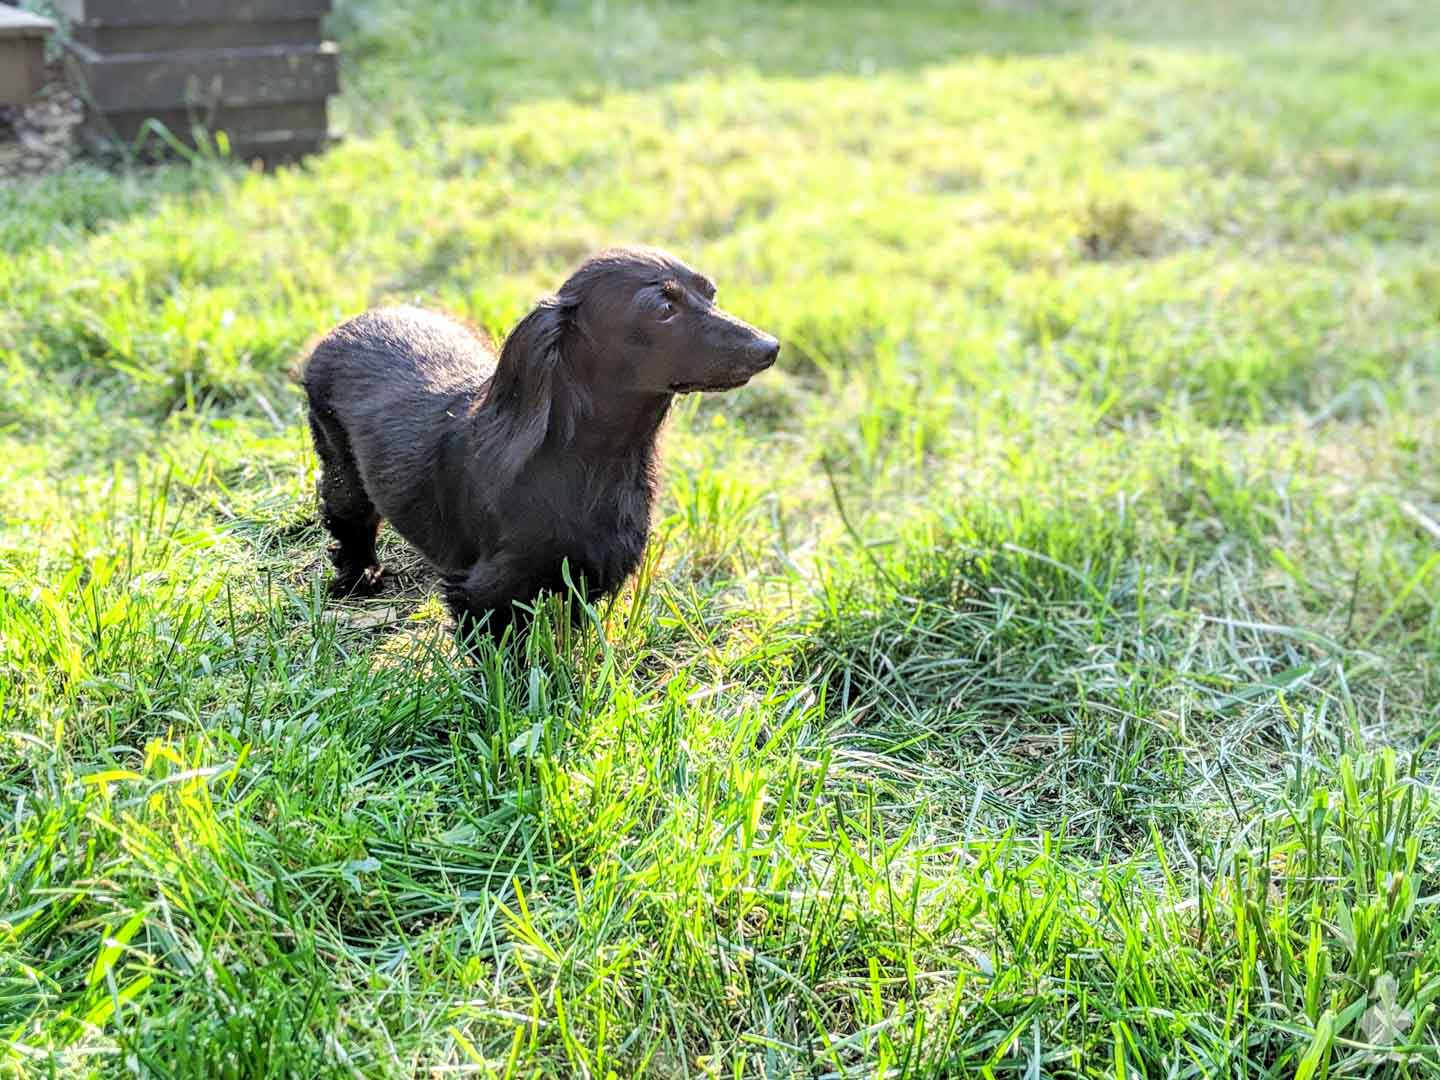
x=629 y=322
x=652 y=325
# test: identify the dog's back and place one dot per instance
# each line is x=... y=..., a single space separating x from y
x=390 y=394
x=390 y=355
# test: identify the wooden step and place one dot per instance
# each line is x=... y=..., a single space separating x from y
x=274 y=134
x=258 y=70
x=264 y=75
x=111 y=38
x=299 y=116
x=270 y=148
x=22 y=54
x=154 y=13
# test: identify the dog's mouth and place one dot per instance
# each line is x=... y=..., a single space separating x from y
x=708 y=387
x=719 y=384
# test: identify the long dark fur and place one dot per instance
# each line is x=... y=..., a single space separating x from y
x=500 y=470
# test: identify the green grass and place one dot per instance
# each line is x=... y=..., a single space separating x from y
x=1036 y=674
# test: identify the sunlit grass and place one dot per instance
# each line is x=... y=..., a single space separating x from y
x=1035 y=674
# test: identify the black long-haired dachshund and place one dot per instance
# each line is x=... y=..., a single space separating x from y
x=500 y=469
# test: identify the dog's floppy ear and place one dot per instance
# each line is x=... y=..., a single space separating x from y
x=528 y=377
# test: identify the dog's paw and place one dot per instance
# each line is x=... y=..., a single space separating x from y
x=367 y=582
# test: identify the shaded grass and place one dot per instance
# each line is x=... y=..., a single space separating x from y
x=1036 y=675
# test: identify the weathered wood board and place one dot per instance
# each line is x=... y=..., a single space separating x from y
x=22 y=54
x=237 y=78
x=259 y=70
x=152 y=12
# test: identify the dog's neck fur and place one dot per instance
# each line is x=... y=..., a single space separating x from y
x=605 y=422
x=619 y=425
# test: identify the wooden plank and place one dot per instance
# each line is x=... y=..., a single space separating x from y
x=303 y=116
x=277 y=148
x=158 y=12
x=15 y=23
x=22 y=69
x=256 y=69
x=22 y=54
x=237 y=77
x=172 y=37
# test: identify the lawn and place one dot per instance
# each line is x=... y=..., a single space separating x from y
x=1037 y=673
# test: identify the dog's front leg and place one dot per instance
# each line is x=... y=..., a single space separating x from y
x=482 y=600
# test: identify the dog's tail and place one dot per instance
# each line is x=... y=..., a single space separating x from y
x=295 y=372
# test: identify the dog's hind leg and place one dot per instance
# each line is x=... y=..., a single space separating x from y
x=345 y=510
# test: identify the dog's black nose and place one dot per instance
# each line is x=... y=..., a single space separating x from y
x=766 y=350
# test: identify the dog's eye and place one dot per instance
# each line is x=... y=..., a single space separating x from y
x=667 y=310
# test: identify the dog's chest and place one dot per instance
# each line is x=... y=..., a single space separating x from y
x=612 y=534
x=600 y=526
